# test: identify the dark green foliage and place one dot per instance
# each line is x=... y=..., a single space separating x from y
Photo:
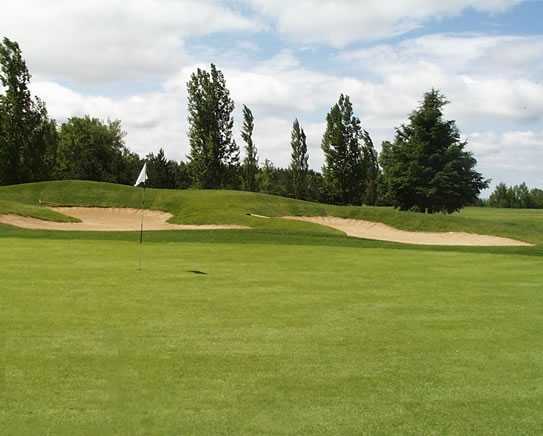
x=314 y=188
x=160 y=171
x=167 y=174
x=427 y=168
x=516 y=197
x=272 y=180
x=213 y=153
x=183 y=178
x=350 y=159
x=278 y=181
x=250 y=163
x=371 y=169
x=90 y=149
x=299 y=161
x=27 y=136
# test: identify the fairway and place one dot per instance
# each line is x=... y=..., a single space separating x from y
x=289 y=328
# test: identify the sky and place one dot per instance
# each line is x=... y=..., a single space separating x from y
x=130 y=60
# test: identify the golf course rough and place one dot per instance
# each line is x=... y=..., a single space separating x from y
x=290 y=328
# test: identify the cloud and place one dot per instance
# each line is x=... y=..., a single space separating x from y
x=152 y=120
x=486 y=77
x=511 y=157
x=112 y=40
x=341 y=22
x=492 y=104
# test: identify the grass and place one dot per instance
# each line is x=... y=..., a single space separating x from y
x=232 y=207
x=271 y=341
x=29 y=210
x=290 y=330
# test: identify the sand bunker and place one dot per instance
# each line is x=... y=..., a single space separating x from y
x=108 y=220
x=382 y=232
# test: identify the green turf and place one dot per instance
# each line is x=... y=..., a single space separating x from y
x=29 y=210
x=292 y=329
x=275 y=339
x=232 y=207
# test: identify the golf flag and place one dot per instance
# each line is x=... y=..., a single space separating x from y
x=142 y=178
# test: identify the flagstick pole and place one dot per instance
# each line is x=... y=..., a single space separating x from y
x=141 y=227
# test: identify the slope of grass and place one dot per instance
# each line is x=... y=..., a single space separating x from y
x=29 y=210
x=273 y=339
x=233 y=207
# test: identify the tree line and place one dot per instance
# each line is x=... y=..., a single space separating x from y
x=425 y=168
x=515 y=197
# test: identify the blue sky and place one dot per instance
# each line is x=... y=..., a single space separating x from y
x=131 y=60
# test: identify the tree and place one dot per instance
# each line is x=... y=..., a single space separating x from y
x=348 y=152
x=516 y=197
x=427 y=167
x=90 y=149
x=299 y=161
x=250 y=163
x=27 y=137
x=213 y=153
x=371 y=169
x=160 y=171
x=265 y=177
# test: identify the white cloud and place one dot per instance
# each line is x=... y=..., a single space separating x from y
x=152 y=120
x=497 y=103
x=112 y=40
x=511 y=157
x=485 y=77
x=340 y=22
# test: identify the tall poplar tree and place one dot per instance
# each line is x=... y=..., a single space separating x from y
x=213 y=153
x=372 y=171
x=347 y=150
x=250 y=163
x=299 y=161
x=27 y=137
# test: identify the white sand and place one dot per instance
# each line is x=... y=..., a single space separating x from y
x=382 y=232
x=107 y=220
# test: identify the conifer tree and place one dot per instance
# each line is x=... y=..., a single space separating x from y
x=427 y=168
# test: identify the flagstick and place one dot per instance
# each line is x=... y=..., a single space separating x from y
x=141 y=228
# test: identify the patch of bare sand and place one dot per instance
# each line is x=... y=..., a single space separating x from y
x=382 y=232
x=108 y=220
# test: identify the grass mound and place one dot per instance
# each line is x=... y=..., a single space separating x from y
x=235 y=207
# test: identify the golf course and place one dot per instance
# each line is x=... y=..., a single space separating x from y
x=266 y=325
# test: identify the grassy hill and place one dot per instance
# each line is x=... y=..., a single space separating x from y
x=234 y=207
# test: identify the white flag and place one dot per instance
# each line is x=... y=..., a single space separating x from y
x=142 y=178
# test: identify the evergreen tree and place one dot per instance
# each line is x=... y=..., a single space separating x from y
x=427 y=168
x=345 y=170
x=250 y=163
x=213 y=153
x=27 y=137
x=299 y=161
x=160 y=171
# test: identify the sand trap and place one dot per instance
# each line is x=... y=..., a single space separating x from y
x=382 y=232
x=107 y=220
